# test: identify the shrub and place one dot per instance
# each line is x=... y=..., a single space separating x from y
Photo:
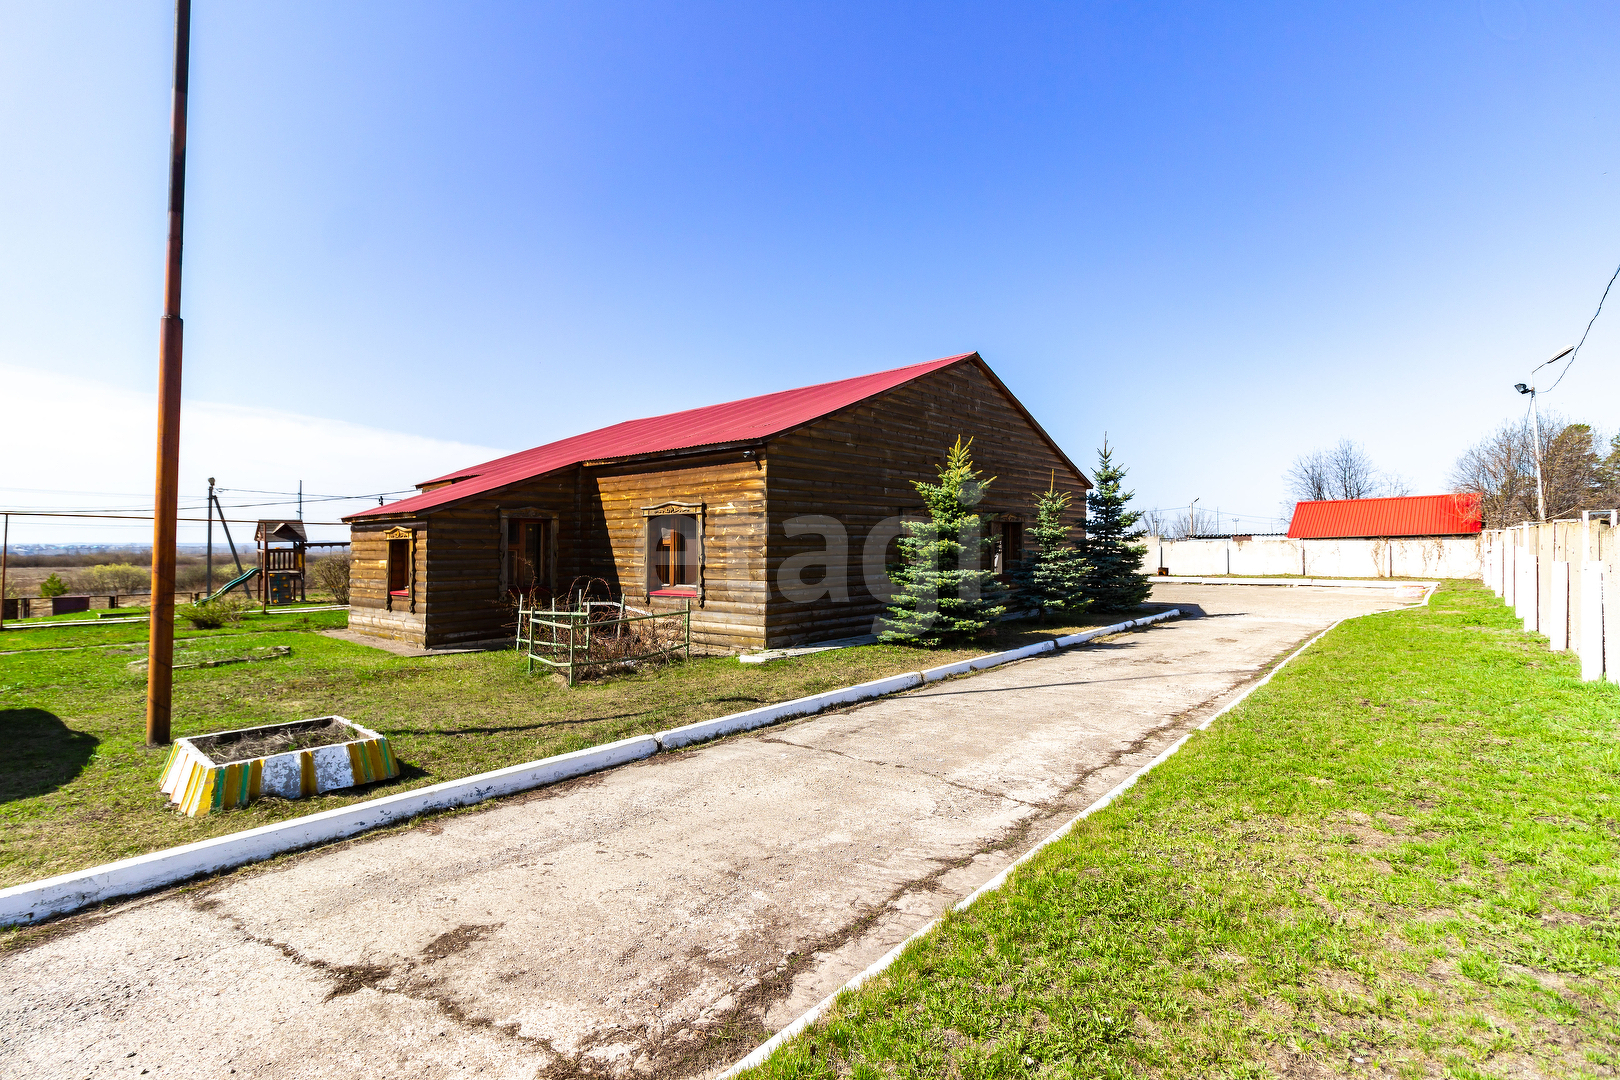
x=115 y=578
x=213 y=614
x=332 y=574
x=53 y=586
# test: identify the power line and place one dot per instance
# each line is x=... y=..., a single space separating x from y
x=307 y=495
x=1578 y=345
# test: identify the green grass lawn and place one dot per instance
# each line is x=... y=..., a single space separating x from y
x=1396 y=859
x=78 y=785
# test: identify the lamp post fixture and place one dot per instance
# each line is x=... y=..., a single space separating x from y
x=1535 y=420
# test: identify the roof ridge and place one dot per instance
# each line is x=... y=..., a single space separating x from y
x=743 y=420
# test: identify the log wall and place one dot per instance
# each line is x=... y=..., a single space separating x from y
x=600 y=532
x=858 y=466
x=369 y=609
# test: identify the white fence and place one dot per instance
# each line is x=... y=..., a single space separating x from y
x=1418 y=557
x=1560 y=578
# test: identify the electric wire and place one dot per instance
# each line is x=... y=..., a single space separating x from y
x=1578 y=345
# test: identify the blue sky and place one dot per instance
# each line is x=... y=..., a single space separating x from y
x=1226 y=235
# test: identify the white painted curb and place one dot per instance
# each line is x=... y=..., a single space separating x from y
x=54 y=896
x=767 y=1048
x=36 y=900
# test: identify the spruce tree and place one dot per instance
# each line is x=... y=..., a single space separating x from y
x=1114 y=580
x=1052 y=578
x=942 y=591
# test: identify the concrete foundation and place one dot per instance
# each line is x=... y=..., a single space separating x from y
x=396 y=625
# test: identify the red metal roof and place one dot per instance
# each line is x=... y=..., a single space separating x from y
x=735 y=421
x=1412 y=515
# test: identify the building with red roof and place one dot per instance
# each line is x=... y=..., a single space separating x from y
x=766 y=515
x=1404 y=516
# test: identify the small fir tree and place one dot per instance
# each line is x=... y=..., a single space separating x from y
x=1114 y=580
x=52 y=586
x=942 y=591
x=1052 y=578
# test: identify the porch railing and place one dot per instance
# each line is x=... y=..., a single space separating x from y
x=599 y=635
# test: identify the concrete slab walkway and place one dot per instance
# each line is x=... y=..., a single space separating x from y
x=657 y=920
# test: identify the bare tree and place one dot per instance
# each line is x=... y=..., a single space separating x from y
x=1341 y=472
x=1501 y=470
x=1153 y=523
x=1193 y=521
x=332 y=574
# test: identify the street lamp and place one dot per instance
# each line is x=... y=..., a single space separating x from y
x=1535 y=414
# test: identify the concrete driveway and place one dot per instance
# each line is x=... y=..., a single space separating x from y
x=659 y=919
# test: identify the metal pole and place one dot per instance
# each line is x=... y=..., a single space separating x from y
x=1541 y=499
x=160 y=641
x=5 y=548
x=226 y=525
x=300 y=500
x=210 y=562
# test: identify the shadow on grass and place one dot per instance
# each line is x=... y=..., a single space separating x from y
x=42 y=753
x=536 y=726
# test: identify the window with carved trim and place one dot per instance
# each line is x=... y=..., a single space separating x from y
x=399 y=567
x=672 y=553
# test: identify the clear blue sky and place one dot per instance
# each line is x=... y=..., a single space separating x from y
x=1225 y=234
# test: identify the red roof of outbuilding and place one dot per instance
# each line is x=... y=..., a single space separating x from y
x=735 y=421
x=1412 y=515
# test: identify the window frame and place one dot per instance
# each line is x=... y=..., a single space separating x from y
x=653 y=585
x=406 y=536
x=1000 y=525
x=548 y=556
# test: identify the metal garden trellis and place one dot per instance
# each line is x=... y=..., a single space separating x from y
x=596 y=633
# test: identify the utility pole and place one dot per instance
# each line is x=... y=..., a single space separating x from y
x=1535 y=420
x=210 y=560
x=1535 y=431
x=166 y=506
x=300 y=500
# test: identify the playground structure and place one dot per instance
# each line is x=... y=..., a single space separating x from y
x=279 y=576
x=281 y=561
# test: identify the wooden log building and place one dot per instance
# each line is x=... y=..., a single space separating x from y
x=737 y=509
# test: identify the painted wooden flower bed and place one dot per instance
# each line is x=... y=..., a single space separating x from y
x=208 y=773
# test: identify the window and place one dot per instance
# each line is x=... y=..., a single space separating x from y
x=399 y=567
x=1009 y=550
x=527 y=550
x=672 y=555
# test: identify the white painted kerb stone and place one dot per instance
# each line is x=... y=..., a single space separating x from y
x=67 y=892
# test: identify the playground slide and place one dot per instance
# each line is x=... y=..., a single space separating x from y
x=241 y=579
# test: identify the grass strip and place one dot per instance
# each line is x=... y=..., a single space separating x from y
x=1398 y=858
x=78 y=784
